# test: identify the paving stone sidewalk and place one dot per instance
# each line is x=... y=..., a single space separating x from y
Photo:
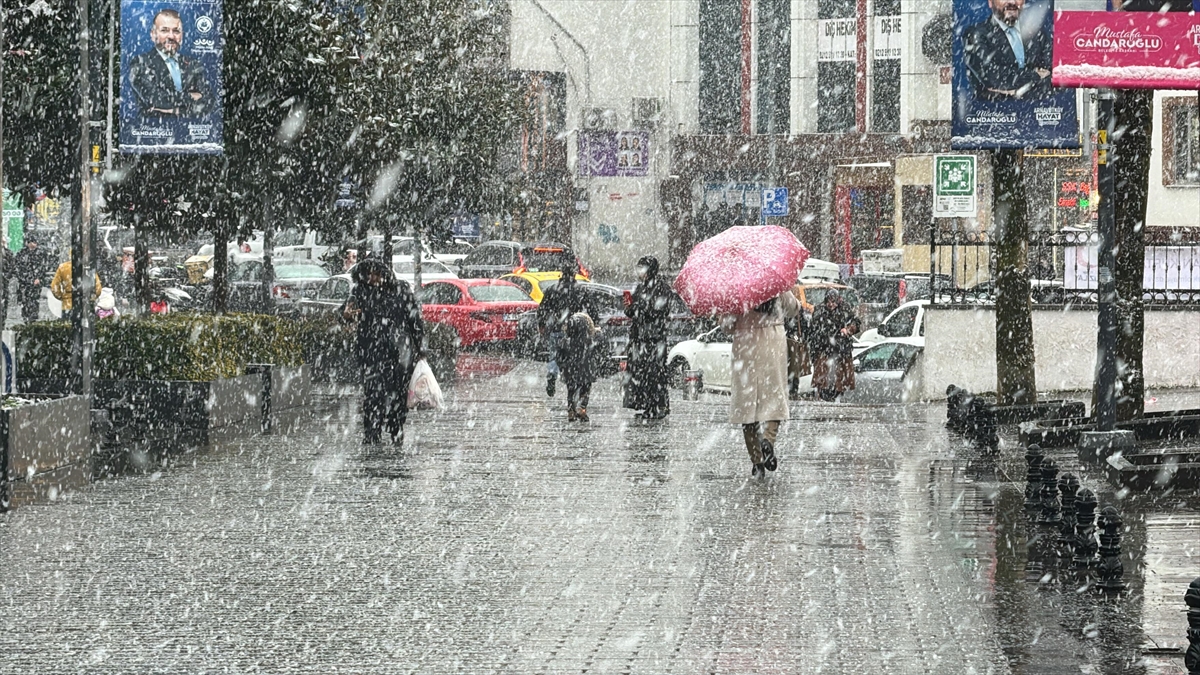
x=503 y=539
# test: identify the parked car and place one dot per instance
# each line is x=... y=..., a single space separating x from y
x=293 y=283
x=820 y=271
x=610 y=305
x=884 y=372
x=906 y=321
x=536 y=283
x=879 y=294
x=494 y=259
x=480 y=310
x=301 y=245
x=329 y=297
x=431 y=270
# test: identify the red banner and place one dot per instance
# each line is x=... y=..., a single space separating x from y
x=1126 y=50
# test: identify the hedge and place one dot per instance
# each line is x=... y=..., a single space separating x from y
x=329 y=347
x=193 y=347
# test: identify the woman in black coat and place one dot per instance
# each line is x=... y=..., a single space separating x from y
x=650 y=309
x=388 y=345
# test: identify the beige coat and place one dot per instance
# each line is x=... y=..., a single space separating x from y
x=760 y=362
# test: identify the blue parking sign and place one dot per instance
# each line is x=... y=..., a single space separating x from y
x=775 y=201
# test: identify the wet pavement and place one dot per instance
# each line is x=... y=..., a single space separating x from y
x=503 y=539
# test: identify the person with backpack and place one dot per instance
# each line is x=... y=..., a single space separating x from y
x=560 y=302
x=576 y=359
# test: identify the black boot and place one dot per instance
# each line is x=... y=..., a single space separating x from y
x=759 y=471
x=551 y=381
x=768 y=452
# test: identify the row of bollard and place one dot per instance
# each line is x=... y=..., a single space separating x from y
x=1088 y=541
x=1075 y=517
x=971 y=416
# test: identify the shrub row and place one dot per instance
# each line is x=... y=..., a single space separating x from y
x=195 y=347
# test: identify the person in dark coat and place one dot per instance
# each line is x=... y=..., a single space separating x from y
x=831 y=345
x=30 y=268
x=575 y=358
x=558 y=304
x=165 y=82
x=650 y=309
x=388 y=345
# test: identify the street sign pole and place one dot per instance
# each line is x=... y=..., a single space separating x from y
x=1106 y=286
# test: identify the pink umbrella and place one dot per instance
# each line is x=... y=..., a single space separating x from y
x=739 y=269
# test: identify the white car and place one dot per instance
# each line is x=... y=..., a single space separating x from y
x=431 y=270
x=885 y=372
x=906 y=321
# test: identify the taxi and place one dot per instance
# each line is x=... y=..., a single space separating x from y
x=536 y=283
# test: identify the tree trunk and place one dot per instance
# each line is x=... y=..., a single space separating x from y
x=268 y=280
x=141 y=271
x=220 y=282
x=1134 y=111
x=1016 y=382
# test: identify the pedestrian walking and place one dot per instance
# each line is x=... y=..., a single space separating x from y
x=389 y=335
x=831 y=344
x=31 y=267
x=649 y=306
x=560 y=301
x=61 y=286
x=575 y=355
x=759 y=378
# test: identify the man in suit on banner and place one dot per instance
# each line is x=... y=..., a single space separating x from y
x=1005 y=62
x=165 y=82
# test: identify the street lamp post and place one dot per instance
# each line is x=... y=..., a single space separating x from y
x=82 y=280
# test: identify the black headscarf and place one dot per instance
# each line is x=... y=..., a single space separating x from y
x=651 y=265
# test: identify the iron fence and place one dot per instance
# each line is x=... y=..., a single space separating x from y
x=1063 y=267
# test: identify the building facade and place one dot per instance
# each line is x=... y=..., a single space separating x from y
x=844 y=102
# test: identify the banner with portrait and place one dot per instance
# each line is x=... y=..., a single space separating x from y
x=171 y=87
x=1003 y=95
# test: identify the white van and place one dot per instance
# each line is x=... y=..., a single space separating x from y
x=820 y=271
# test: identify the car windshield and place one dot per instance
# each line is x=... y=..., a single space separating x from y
x=498 y=293
x=300 y=272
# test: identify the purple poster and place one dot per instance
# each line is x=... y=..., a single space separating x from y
x=604 y=154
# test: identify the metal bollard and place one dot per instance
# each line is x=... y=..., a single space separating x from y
x=1191 y=659
x=1068 y=485
x=1085 y=529
x=264 y=370
x=1050 y=513
x=1033 y=476
x=1110 y=569
x=691 y=385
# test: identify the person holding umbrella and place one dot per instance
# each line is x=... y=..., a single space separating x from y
x=760 y=377
x=649 y=307
x=746 y=274
x=831 y=344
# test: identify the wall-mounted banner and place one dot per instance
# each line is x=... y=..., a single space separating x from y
x=889 y=37
x=1128 y=50
x=837 y=39
x=171 y=89
x=1003 y=96
x=614 y=153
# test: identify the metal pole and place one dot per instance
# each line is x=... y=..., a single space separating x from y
x=1106 y=288
x=3 y=218
x=773 y=56
x=112 y=55
x=82 y=284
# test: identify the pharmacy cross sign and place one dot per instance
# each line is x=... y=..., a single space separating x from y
x=954 y=182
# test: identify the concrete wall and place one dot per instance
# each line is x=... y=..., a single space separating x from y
x=960 y=349
x=49 y=445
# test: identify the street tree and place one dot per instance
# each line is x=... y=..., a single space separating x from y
x=1016 y=380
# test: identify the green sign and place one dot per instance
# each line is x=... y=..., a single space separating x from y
x=14 y=221
x=954 y=184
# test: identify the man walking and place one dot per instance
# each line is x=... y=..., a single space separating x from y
x=30 y=269
x=558 y=304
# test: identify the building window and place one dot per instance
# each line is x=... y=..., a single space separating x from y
x=885 y=76
x=1181 y=141
x=720 y=67
x=837 y=63
x=774 y=65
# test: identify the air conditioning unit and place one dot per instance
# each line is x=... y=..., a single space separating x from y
x=599 y=119
x=647 y=112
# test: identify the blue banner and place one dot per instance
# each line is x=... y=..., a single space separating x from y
x=1002 y=92
x=171 y=88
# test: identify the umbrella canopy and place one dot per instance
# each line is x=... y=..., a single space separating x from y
x=740 y=269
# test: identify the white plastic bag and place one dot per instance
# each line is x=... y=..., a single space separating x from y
x=424 y=393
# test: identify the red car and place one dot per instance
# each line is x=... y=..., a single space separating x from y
x=480 y=310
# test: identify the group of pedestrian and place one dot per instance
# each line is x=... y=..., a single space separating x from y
x=31 y=265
